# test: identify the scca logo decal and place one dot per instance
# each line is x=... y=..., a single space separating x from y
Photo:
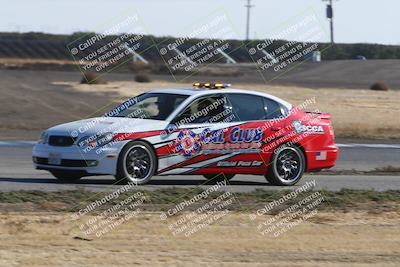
x=299 y=128
x=314 y=129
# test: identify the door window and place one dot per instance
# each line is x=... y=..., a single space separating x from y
x=208 y=109
x=273 y=109
x=246 y=107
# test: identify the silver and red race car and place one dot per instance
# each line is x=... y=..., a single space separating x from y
x=207 y=130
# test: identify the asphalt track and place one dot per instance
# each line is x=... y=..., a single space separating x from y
x=17 y=173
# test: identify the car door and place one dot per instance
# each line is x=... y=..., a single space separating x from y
x=200 y=124
x=224 y=133
x=261 y=121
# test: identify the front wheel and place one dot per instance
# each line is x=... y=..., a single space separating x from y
x=136 y=163
x=287 y=166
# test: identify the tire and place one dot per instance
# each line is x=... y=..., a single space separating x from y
x=218 y=177
x=66 y=176
x=137 y=163
x=287 y=166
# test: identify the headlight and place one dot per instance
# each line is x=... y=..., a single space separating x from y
x=88 y=143
x=43 y=138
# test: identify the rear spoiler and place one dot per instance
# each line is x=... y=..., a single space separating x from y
x=324 y=116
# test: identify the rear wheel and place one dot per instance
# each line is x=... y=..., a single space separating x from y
x=66 y=177
x=136 y=163
x=287 y=166
x=218 y=177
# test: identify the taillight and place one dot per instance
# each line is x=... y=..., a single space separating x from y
x=331 y=132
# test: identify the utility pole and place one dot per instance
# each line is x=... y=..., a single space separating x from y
x=329 y=15
x=248 y=6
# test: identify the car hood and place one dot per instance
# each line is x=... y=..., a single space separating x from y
x=102 y=125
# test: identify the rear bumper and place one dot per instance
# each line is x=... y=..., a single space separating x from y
x=72 y=159
x=322 y=159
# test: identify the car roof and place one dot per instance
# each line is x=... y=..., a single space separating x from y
x=203 y=92
x=180 y=91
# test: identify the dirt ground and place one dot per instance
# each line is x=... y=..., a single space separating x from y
x=31 y=101
x=328 y=239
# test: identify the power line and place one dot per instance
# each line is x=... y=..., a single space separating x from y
x=248 y=6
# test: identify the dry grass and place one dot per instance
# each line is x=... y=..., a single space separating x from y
x=329 y=239
x=359 y=236
x=355 y=113
x=26 y=112
x=23 y=62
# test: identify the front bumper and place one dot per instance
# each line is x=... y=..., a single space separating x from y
x=75 y=160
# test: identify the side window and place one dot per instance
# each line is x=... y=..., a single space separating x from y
x=273 y=109
x=208 y=109
x=148 y=107
x=246 y=107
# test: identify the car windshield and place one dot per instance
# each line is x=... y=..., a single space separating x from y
x=155 y=106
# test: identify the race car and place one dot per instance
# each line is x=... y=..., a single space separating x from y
x=208 y=129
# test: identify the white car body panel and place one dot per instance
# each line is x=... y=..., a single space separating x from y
x=117 y=125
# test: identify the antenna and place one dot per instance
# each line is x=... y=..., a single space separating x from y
x=248 y=6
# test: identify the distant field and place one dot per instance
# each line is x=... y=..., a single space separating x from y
x=347 y=74
x=31 y=101
x=355 y=113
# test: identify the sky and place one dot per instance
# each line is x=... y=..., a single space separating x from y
x=355 y=21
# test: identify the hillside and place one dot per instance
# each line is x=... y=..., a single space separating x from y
x=52 y=46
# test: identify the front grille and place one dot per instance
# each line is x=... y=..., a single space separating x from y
x=67 y=162
x=58 y=140
x=40 y=160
